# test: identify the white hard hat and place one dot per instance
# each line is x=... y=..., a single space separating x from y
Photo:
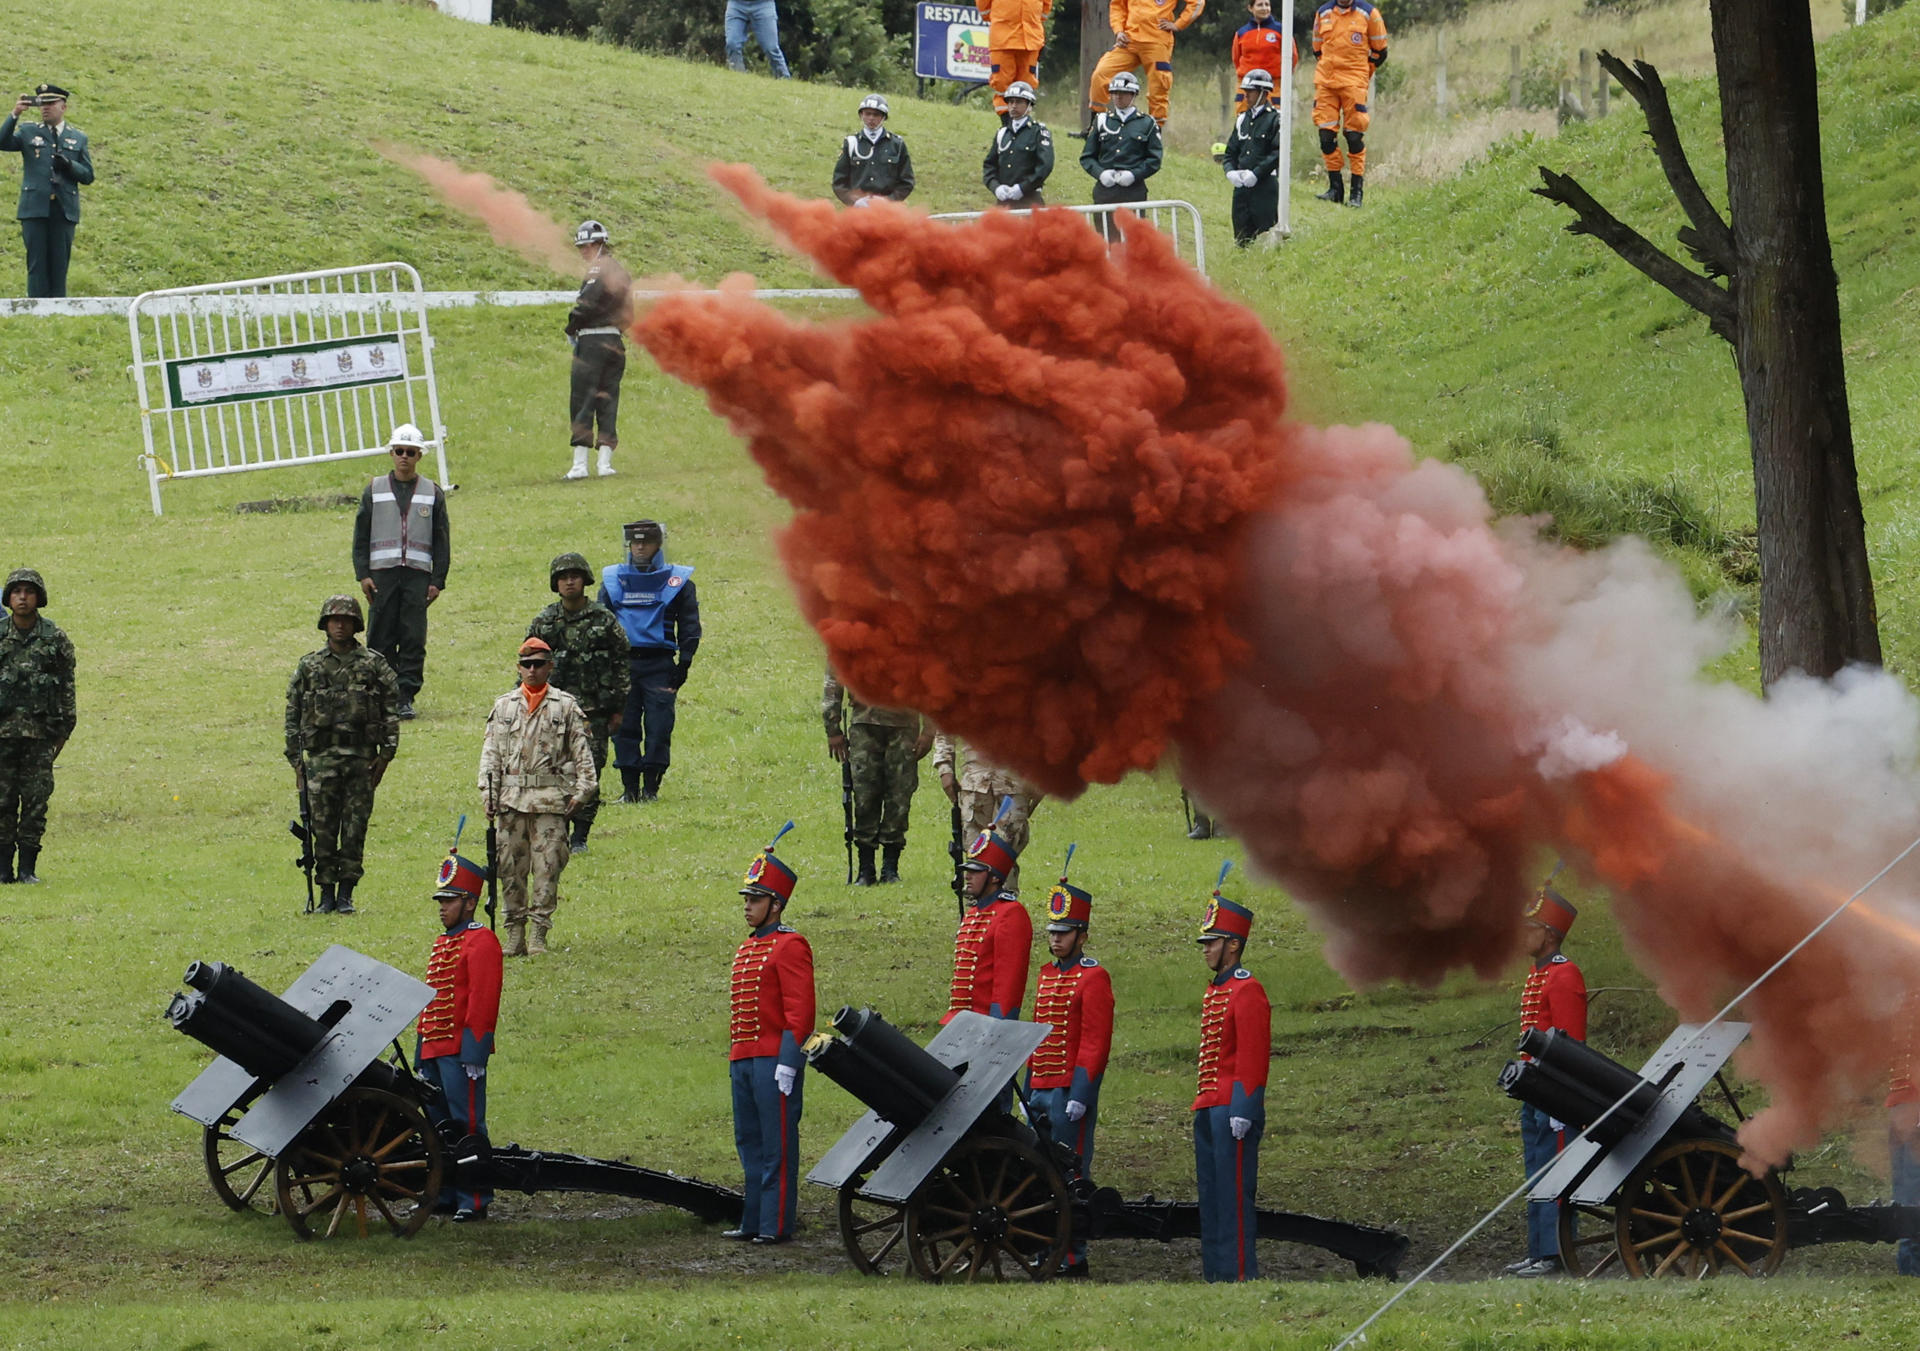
x=1126 y=82
x=876 y=102
x=1020 y=89
x=406 y=434
x=1256 y=79
x=590 y=232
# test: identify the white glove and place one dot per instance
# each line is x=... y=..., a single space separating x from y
x=1000 y=193
x=1014 y=192
x=860 y=201
x=475 y=1071
x=783 y=1077
x=1076 y=1110
x=1123 y=178
x=1246 y=179
x=1557 y=1125
x=1108 y=178
x=1241 y=1125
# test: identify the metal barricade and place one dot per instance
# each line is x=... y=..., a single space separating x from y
x=274 y=372
x=1167 y=216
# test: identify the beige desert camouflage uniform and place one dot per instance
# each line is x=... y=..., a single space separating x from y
x=982 y=785
x=531 y=766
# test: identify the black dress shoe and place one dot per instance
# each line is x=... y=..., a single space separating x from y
x=1076 y=1271
x=740 y=1235
x=768 y=1240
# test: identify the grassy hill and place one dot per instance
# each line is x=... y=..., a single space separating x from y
x=234 y=140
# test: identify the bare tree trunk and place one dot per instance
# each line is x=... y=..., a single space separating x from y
x=1816 y=592
x=1096 y=39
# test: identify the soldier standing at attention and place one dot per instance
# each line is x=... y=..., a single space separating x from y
x=1253 y=161
x=1020 y=156
x=772 y=1015
x=342 y=733
x=596 y=326
x=655 y=604
x=991 y=951
x=456 y=1029
x=401 y=552
x=1123 y=149
x=1075 y=997
x=1229 y=1108
x=589 y=662
x=881 y=748
x=536 y=769
x=54 y=162
x=981 y=791
x=36 y=718
x=873 y=161
x=1555 y=996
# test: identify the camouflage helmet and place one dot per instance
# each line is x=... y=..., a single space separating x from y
x=26 y=577
x=337 y=606
x=564 y=564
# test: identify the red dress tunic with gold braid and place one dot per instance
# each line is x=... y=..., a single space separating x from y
x=1236 y=1041
x=772 y=1004
x=1555 y=996
x=464 y=970
x=990 y=955
x=1078 y=1002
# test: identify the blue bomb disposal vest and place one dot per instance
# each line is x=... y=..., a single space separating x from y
x=641 y=599
x=396 y=541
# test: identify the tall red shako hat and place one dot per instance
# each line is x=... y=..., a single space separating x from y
x=992 y=852
x=458 y=875
x=1225 y=918
x=1553 y=910
x=1068 y=907
x=768 y=876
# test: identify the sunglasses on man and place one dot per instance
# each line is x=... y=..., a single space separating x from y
x=530 y=663
x=407 y=452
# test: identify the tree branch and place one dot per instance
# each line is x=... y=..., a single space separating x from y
x=1710 y=240
x=1590 y=218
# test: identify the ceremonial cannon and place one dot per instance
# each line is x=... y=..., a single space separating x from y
x=939 y=1170
x=1657 y=1184
x=300 y=1094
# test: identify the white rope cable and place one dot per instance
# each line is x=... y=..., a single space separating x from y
x=1358 y=1333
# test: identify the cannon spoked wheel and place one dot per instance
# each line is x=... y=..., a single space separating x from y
x=1692 y=1210
x=371 y=1158
x=871 y=1230
x=1589 y=1245
x=993 y=1208
x=237 y=1170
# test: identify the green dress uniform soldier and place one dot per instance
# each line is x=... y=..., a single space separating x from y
x=882 y=749
x=54 y=163
x=1253 y=160
x=1123 y=147
x=596 y=324
x=873 y=161
x=343 y=730
x=589 y=662
x=36 y=718
x=402 y=548
x=978 y=790
x=1020 y=156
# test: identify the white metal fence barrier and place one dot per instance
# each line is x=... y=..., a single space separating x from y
x=280 y=371
x=1167 y=216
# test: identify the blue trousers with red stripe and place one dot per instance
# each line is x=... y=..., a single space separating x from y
x=1539 y=1142
x=766 y=1133
x=1227 y=1171
x=463 y=1100
x=1075 y=1135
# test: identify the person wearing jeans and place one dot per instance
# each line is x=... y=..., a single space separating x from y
x=764 y=19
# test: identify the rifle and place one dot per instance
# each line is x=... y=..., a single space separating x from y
x=302 y=830
x=493 y=855
x=957 y=851
x=1186 y=806
x=846 y=810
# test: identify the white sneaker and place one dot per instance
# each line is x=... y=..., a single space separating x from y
x=579 y=469
x=606 y=461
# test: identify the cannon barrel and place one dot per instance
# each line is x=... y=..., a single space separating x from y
x=254 y=1028
x=1570 y=1081
x=881 y=1066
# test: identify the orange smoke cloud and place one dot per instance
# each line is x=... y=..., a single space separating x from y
x=1049 y=497
x=509 y=217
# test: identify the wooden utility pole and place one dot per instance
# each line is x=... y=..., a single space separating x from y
x=1096 y=39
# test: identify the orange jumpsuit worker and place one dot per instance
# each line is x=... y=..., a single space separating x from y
x=1257 y=45
x=1016 y=31
x=1349 y=43
x=1143 y=41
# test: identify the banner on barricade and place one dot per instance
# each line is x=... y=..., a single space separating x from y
x=266 y=372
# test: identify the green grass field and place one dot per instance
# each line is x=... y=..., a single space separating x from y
x=233 y=141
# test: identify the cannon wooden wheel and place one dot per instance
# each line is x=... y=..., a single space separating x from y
x=1691 y=1210
x=1589 y=1245
x=371 y=1158
x=236 y=1169
x=871 y=1230
x=994 y=1208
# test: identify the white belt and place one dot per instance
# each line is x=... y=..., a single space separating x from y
x=589 y=332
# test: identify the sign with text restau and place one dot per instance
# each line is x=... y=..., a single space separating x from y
x=950 y=43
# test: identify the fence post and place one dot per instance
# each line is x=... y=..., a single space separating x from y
x=1586 y=79
x=1440 y=69
x=1602 y=95
x=1513 y=75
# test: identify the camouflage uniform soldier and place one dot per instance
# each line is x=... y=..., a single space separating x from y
x=343 y=730
x=881 y=748
x=36 y=718
x=978 y=791
x=536 y=768
x=589 y=662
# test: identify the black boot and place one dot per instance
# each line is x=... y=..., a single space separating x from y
x=1336 y=191
x=889 y=863
x=1202 y=827
x=28 y=857
x=650 y=788
x=629 y=785
x=327 y=903
x=577 y=842
x=1358 y=194
x=6 y=868
x=865 y=878
x=344 y=905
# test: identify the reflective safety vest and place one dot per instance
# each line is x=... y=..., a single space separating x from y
x=640 y=600
x=397 y=541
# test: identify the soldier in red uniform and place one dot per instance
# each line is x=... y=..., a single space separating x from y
x=772 y=1014
x=1075 y=998
x=1555 y=996
x=1230 y=1106
x=456 y=1029
x=1903 y=1128
x=993 y=946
